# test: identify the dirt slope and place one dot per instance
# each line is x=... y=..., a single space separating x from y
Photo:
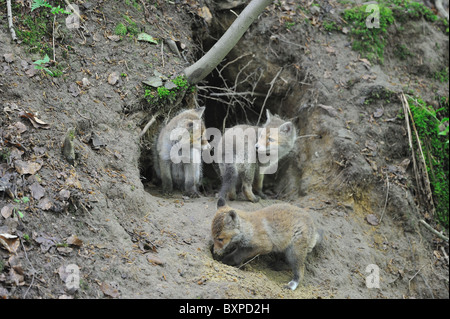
x=139 y=244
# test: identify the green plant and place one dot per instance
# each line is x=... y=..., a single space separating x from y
x=22 y=200
x=5 y=153
x=121 y=29
x=163 y=94
x=36 y=4
x=432 y=127
x=40 y=65
x=330 y=26
x=402 y=52
x=288 y=25
x=369 y=41
x=441 y=76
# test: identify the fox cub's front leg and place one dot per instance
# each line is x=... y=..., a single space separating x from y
x=166 y=177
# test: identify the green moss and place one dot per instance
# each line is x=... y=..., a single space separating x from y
x=442 y=75
x=402 y=52
x=370 y=42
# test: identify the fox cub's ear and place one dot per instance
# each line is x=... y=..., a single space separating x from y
x=286 y=127
x=221 y=202
x=200 y=111
x=269 y=116
x=231 y=218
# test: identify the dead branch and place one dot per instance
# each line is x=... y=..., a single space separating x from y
x=33 y=270
x=440 y=9
x=268 y=94
x=409 y=282
x=434 y=231
x=150 y=123
x=10 y=21
x=200 y=69
x=426 y=188
x=386 y=200
x=445 y=254
x=247 y=262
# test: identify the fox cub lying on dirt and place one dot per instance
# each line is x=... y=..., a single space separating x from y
x=281 y=228
x=183 y=132
x=274 y=141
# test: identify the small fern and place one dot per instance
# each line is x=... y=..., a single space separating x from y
x=39 y=3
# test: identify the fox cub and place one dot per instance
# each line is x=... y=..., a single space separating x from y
x=184 y=133
x=247 y=167
x=281 y=228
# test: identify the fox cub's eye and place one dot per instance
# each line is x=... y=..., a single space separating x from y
x=271 y=140
x=220 y=240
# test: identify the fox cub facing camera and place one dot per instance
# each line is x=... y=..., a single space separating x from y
x=273 y=141
x=280 y=228
x=177 y=160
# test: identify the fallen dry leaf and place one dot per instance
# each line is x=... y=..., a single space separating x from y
x=113 y=78
x=109 y=290
x=46 y=242
x=37 y=191
x=64 y=194
x=15 y=277
x=378 y=113
x=154 y=260
x=372 y=219
x=45 y=203
x=75 y=241
x=23 y=167
x=9 y=57
x=37 y=123
x=9 y=242
x=7 y=211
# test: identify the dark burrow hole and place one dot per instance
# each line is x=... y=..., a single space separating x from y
x=222 y=109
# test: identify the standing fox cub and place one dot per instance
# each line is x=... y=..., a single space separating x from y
x=273 y=141
x=281 y=228
x=177 y=160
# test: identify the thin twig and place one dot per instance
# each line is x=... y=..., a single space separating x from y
x=150 y=123
x=268 y=94
x=247 y=262
x=445 y=254
x=73 y=10
x=162 y=53
x=408 y=115
x=310 y=135
x=434 y=231
x=409 y=282
x=386 y=200
x=53 y=38
x=34 y=270
x=10 y=21
x=427 y=186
